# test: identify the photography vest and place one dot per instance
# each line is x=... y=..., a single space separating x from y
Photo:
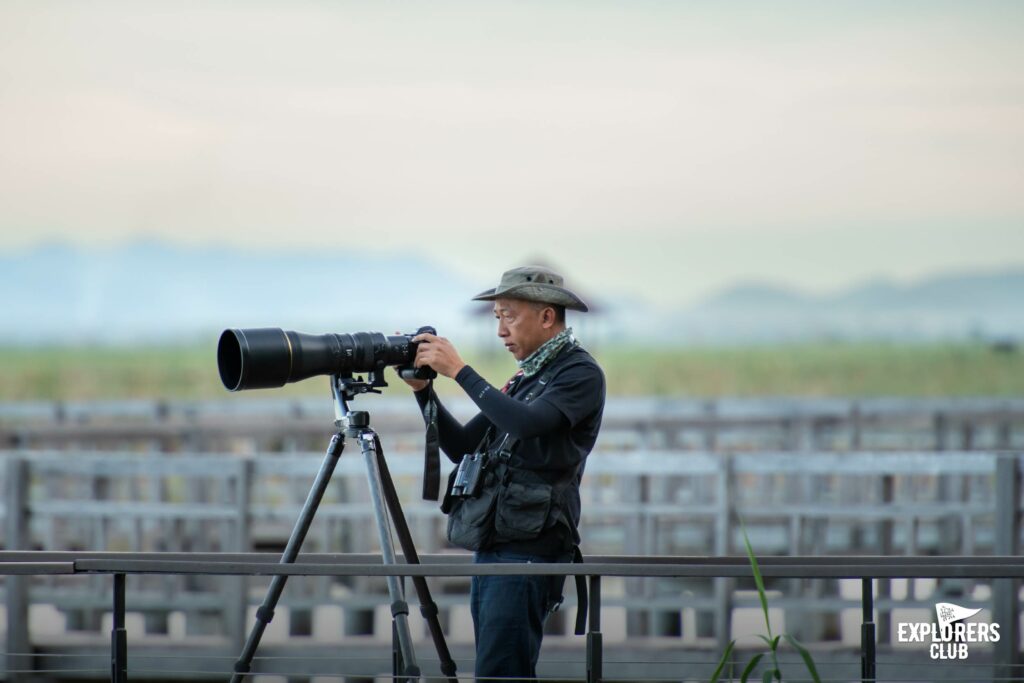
x=513 y=503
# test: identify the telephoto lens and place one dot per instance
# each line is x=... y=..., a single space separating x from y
x=269 y=357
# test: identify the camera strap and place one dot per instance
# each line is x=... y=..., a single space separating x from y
x=431 y=455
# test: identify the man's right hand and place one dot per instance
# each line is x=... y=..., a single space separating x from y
x=417 y=384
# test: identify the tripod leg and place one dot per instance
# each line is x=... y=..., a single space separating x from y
x=428 y=608
x=399 y=608
x=266 y=611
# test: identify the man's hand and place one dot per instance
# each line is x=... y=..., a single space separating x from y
x=416 y=384
x=438 y=353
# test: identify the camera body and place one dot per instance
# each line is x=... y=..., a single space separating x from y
x=409 y=371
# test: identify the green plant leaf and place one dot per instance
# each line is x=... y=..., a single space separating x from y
x=749 y=669
x=770 y=674
x=757 y=577
x=806 y=656
x=773 y=643
x=722 y=661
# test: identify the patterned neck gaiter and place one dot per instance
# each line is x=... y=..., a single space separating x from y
x=532 y=364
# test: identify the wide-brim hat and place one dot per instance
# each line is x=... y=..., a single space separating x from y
x=534 y=283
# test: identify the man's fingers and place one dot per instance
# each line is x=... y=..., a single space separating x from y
x=426 y=336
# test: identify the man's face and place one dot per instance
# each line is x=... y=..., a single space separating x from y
x=523 y=326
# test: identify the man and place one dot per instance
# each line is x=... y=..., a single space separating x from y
x=545 y=421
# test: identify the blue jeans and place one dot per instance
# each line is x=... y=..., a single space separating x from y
x=509 y=614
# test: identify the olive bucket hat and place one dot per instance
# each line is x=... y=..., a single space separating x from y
x=533 y=283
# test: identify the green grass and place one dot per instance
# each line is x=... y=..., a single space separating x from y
x=822 y=369
x=818 y=370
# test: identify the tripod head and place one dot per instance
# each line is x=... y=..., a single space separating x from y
x=345 y=387
x=356 y=423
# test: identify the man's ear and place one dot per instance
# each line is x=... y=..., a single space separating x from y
x=547 y=317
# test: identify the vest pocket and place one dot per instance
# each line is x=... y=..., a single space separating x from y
x=522 y=510
x=471 y=520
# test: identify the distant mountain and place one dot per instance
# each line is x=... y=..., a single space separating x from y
x=961 y=291
x=153 y=291
x=756 y=296
x=149 y=291
x=951 y=305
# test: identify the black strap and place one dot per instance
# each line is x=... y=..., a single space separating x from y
x=582 y=597
x=431 y=455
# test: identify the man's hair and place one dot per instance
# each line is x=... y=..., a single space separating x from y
x=559 y=310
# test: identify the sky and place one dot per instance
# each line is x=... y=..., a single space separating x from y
x=659 y=150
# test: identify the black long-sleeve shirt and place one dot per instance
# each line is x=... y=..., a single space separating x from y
x=556 y=424
x=509 y=416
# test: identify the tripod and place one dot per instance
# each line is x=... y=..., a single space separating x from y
x=356 y=425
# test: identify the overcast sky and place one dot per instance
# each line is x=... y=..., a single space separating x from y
x=660 y=149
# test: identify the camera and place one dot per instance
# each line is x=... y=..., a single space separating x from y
x=269 y=357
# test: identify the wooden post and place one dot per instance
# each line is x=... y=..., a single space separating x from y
x=939 y=425
x=856 y=435
x=967 y=435
x=723 y=531
x=18 y=641
x=711 y=429
x=237 y=605
x=1004 y=434
x=633 y=492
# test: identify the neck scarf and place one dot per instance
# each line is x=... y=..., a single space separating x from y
x=532 y=364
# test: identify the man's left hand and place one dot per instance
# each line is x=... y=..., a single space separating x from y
x=438 y=353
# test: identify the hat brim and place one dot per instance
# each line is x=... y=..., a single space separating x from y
x=541 y=293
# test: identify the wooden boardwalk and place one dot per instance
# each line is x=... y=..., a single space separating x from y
x=885 y=477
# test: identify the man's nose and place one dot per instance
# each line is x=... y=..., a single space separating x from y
x=502 y=330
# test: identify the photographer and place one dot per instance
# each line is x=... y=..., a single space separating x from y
x=534 y=434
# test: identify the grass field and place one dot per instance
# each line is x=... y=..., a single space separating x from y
x=795 y=370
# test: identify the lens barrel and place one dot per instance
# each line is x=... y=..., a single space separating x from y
x=269 y=357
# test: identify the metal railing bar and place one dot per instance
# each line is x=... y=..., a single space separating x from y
x=547 y=660
x=840 y=569
x=863 y=567
x=119 y=634
x=385 y=666
x=144 y=600
x=947 y=663
x=323 y=558
x=47 y=556
x=185 y=657
x=36 y=568
x=55 y=655
x=469 y=677
x=868 y=638
x=709 y=662
x=56 y=671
